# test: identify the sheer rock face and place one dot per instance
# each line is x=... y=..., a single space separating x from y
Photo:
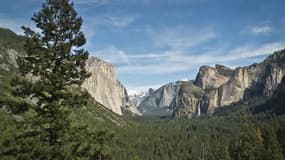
x=162 y=98
x=219 y=86
x=189 y=101
x=210 y=78
x=104 y=87
x=8 y=59
x=222 y=86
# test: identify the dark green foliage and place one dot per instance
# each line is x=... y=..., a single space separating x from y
x=11 y=103
x=236 y=137
x=54 y=69
x=10 y=40
x=57 y=64
x=61 y=121
x=19 y=138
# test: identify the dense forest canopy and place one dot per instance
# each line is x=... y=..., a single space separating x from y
x=46 y=115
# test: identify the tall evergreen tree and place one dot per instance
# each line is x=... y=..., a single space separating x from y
x=55 y=65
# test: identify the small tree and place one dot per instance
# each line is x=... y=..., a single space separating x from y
x=55 y=62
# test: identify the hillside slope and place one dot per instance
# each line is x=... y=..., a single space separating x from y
x=11 y=46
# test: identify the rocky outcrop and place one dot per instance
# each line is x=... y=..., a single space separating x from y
x=222 y=86
x=210 y=78
x=275 y=104
x=189 y=101
x=219 y=86
x=11 y=45
x=8 y=59
x=160 y=99
x=104 y=87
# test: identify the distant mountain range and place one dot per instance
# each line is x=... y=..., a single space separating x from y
x=136 y=97
x=213 y=89
x=219 y=87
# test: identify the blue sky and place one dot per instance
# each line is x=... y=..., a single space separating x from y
x=154 y=42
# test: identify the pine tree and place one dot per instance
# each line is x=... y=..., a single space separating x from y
x=55 y=65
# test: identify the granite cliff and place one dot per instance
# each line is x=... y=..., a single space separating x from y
x=160 y=99
x=103 y=85
x=105 y=88
x=220 y=86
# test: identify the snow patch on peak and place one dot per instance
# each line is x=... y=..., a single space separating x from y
x=136 y=96
x=135 y=92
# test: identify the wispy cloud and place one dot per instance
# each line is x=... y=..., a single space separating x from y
x=136 y=2
x=97 y=23
x=110 y=20
x=176 y=62
x=181 y=37
x=120 y=20
x=263 y=29
x=169 y=62
x=242 y=52
x=98 y=2
x=113 y=55
x=157 y=69
x=132 y=89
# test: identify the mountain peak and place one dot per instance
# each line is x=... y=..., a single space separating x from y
x=220 y=86
x=104 y=86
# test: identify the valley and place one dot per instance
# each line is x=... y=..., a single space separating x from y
x=157 y=134
x=59 y=101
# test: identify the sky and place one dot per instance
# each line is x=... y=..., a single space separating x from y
x=154 y=42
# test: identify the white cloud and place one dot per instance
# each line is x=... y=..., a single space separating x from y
x=113 y=55
x=260 y=29
x=93 y=24
x=89 y=33
x=185 y=79
x=175 y=62
x=157 y=69
x=140 y=2
x=181 y=37
x=133 y=89
x=98 y=2
x=120 y=20
x=242 y=52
